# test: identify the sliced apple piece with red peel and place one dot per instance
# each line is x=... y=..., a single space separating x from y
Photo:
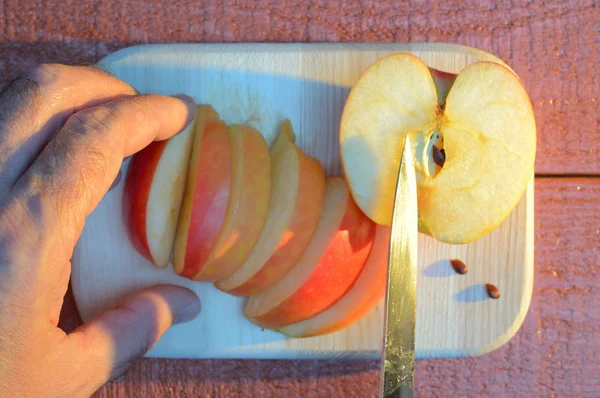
x=153 y=193
x=474 y=154
x=366 y=292
x=328 y=267
x=248 y=204
x=297 y=191
x=206 y=197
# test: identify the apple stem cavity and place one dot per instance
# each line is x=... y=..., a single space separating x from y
x=443 y=83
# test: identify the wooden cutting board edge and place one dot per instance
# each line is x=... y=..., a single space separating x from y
x=417 y=47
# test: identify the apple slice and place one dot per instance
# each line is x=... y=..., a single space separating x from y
x=152 y=195
x=248 y=204
x=474 y=153
x=206 y=197
x=329 y=266
x=366 y=292
x=297 y=191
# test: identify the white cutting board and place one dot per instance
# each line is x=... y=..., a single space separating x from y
x=262 y=84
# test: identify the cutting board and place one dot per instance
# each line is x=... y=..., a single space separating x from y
x=262 y=84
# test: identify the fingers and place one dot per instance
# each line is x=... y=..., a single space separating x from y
x=110 y=343
x=80 y=163
x=36 y=104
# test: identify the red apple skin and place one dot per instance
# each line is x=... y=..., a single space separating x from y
x=136 y=192
x=362 y=310
x=365 y=293
x=211 y=197
x=337 y=270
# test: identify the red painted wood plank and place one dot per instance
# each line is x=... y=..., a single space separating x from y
x=553 y=46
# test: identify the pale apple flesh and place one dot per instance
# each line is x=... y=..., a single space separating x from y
x=328 y=267
x=486 y=129
x=248 y=204
x=366 y=292
x=153 y=193
x=206 y=194
x=297 y=191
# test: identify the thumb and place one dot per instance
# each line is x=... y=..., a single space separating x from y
x=110 y=343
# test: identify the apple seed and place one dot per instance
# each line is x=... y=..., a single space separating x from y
x=459 y=266
x=439 y=156
x=492 y=291
x=434 y=153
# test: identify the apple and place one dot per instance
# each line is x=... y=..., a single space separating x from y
x=297 y=191
x=366 y=292
x=328 y=267
x=205 y=198
x=248 y=204
x=474 y=151
x=153 y=192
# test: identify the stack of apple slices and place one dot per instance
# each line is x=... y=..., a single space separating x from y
x=327 y=268
x=261 y=223
x=297 y=191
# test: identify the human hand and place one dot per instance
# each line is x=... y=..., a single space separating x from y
x=64 y=132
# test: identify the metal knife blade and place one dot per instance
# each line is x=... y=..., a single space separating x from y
x=398 y=357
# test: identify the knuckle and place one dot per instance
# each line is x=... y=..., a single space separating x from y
x=20 y=95
x=22 y=86
x=90 y=140
x=68 y=167
x=99 y=121
x=50 y=167
x=45 y=74
x=21 y=98
x=100 y=71
x=77 y=158
x=141 y=106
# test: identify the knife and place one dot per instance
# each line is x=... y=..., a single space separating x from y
x=398 y=359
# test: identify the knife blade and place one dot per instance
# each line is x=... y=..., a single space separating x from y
x=398 y=357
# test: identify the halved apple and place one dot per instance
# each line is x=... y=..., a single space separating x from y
x=366 y=292
x=474 y=152
x=153 y=192
x=248 y=204
x=297 y=191
x=328 y=267
x=206 y=197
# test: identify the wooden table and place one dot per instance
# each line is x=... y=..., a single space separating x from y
x=555 y=48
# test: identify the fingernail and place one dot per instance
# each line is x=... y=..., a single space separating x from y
x=184 y=97
x=191 y=105
x=188 y=312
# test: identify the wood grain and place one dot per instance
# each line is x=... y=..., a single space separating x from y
x=556 y=351
x=553 y=46
x=244 y=84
